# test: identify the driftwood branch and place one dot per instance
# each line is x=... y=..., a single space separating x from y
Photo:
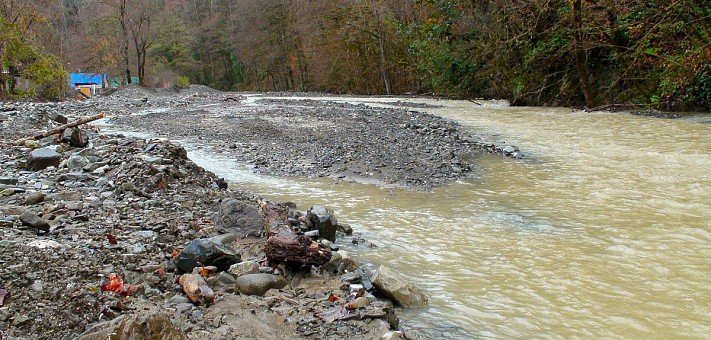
x=76 y=123
x=61 y=128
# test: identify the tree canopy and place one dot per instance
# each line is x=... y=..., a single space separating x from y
x=535 y=52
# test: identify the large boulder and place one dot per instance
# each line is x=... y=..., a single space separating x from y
x=43 y=158
x=205 y=252
x=134 y=327
x=239 y=217
x=324 y=221
x=396 y=287
x=258 y=284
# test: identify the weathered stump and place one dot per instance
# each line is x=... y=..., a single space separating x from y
x=283 y=245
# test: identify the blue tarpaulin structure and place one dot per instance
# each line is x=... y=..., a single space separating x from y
x=78 y=79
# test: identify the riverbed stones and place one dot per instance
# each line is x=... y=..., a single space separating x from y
x=204 y=252
x=239 y=217
x=395 y=286
x=258 y=284
x=30 y=219
x=43 y=158
x=323 y=220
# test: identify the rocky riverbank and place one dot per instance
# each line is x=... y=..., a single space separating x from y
x=108 y=234
x=396 y=146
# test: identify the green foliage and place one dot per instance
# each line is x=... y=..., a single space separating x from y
x=182 y=82
x=48 y=76
x=45 y=72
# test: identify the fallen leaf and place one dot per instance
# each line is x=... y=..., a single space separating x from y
x=112 y=239
x=176 y=252
x=332 y=298
x=204 y=271
x=116 y=285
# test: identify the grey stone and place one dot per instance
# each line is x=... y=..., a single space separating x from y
x=324 y=221
x=345 y=228
x=352 y=277
x=58 y=117
x=43 y=158
x=75 y=137
x=240 y=218
x=134 y=327
x=77 y=163
x=8 y=180
x=72 y=176
x=34 y=198
x=396 y=287
x=30 y=219
x=226 y=280
x=509 y=149
x=204 y=252
x=244 y=268
x=258 y=284
x=178 y=299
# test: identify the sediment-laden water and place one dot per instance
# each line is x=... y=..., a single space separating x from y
x=604 y=230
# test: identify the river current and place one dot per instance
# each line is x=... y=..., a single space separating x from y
x=603 y=230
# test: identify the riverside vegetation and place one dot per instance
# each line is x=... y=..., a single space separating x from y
x=650 y=54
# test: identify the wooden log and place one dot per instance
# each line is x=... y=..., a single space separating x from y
x=284 y=246
x=61 y=128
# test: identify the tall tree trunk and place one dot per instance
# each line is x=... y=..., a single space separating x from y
x=383 y=59
x=579 y=52
x=124 y=31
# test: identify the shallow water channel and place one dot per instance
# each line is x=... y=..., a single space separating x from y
x=604 y=230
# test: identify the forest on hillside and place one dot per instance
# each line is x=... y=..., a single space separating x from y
x=589 y=53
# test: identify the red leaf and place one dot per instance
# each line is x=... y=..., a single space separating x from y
x=112 y=239
x=116 y=285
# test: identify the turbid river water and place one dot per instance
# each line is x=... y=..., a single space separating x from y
x=604 y=230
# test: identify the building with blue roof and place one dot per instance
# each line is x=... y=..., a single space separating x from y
x=89 y=83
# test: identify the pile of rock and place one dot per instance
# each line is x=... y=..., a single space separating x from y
x=125 y=225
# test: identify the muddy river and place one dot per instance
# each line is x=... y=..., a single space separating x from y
x=603 y=230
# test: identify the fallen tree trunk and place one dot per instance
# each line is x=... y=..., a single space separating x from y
x=283 y=245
